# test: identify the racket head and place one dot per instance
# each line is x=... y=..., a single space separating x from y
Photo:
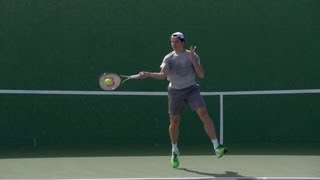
x=115 y=79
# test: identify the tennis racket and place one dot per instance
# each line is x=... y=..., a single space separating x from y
x=115 y=80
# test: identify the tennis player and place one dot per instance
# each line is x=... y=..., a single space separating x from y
x=180 y=68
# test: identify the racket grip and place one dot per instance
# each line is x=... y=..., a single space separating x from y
x=136 y=76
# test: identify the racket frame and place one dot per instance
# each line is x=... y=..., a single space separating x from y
x=117 y=80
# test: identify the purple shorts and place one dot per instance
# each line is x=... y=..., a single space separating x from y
x=177 y=98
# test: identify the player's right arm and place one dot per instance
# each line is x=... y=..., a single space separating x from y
x=165 y=68
x=155 y=75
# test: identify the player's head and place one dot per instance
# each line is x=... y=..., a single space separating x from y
x=177 y=40
x=178 y=35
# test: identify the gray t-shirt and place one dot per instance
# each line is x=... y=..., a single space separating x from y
x=181 y=73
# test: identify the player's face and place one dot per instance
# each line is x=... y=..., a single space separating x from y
x=176 y=44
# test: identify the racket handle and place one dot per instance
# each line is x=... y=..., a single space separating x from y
x=136 y=76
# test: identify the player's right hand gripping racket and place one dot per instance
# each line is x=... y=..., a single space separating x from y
x=114 y=80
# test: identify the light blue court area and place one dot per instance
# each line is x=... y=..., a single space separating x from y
x=268 y=161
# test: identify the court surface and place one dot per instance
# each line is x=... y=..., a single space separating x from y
x=243 y=161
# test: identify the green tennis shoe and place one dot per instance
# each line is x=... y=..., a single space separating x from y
x=175 y=159
x=220 y=151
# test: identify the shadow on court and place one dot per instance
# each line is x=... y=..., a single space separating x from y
x=226 y=174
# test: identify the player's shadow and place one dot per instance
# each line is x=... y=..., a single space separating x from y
x=226 y=174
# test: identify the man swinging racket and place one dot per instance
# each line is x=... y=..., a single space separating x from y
x=180 y=67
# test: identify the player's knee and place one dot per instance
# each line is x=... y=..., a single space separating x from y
x=174 y=120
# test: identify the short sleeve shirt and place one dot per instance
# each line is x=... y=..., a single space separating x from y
x=181 y=73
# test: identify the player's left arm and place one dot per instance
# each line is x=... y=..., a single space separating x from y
x=195 y=62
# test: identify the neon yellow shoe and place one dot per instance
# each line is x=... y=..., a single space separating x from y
x=175 y=159
x=220 y=151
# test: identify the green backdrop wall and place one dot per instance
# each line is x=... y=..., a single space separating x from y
x=243 y=45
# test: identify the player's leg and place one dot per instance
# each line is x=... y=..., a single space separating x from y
x=174 y=129
x=175 y=105
x=207 y=122
x=210 y=130
x=174 y=135
x=197 y=103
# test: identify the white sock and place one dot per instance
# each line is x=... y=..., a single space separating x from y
x=215 y=143
x=175 y=148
